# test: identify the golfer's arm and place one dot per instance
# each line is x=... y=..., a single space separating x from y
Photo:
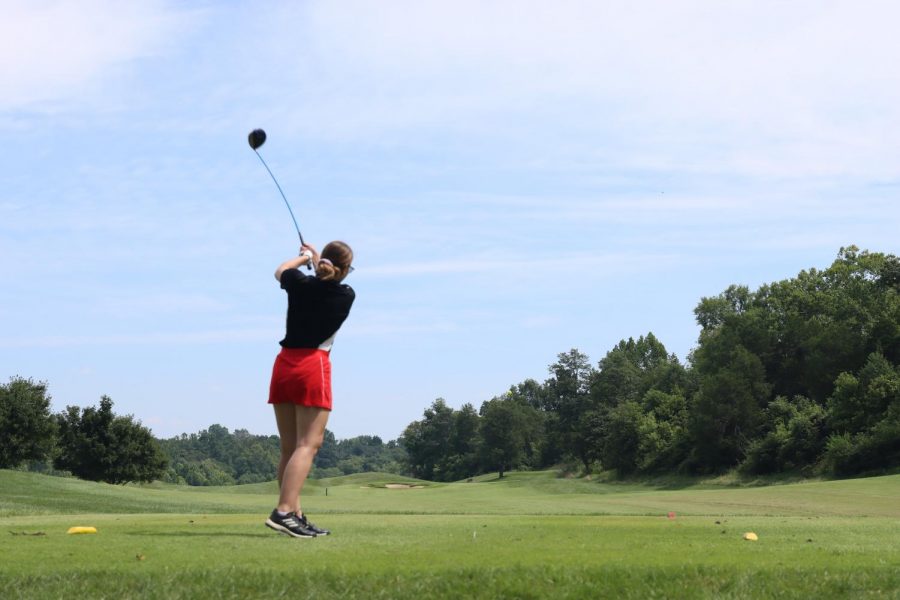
x=293 y=263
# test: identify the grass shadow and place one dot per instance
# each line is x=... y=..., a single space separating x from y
x=199 y=534
x=729 y=479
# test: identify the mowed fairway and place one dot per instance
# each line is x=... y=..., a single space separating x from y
x=531 y=535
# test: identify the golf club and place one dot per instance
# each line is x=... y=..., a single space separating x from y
x=256 y=139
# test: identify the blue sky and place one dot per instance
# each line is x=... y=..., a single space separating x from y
x=517 y=178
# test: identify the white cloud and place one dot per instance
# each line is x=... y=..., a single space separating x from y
x=398 y=323
x=763 y=88
x=559 y=263
x=142 y=338
x=57 y=53
x=119 y=303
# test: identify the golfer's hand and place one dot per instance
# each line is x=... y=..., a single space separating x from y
x=312 y=249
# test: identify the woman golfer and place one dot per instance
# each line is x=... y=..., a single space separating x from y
x=301 y=378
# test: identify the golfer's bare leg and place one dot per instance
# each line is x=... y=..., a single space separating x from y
x=286 y=419
x=310 y=432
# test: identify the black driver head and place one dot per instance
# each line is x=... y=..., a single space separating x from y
x=256 y=138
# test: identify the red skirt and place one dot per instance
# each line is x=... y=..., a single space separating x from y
x=301 y=376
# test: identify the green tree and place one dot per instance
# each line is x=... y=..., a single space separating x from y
x=712 y=313
x=648 y=432
x=97 y=445
x=427 y=442
x=799 y=371
x=327 y=456
x=860 y=401
x=632 y=368
x=622 y=428
x=215 y=456
x=543 y=448
x=530 y=392
x=27 y=429
x=461 y=459
x=361 y=454
x=864 y=413
x=814 y=336
x=872 y=451
x=567 y=396
x=664 y=434
x=207 y=472
x=808 y=329
x=793 y=438
x=727 y=411
x=505 y=429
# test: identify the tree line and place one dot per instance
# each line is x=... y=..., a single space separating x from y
x=215 y=456
x=94 y=443
x=801 y=375
x=91 y=443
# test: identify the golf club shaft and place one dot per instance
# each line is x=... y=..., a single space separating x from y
x=286 y=203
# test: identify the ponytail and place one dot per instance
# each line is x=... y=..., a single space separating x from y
x=334 y=263
x=326 y=270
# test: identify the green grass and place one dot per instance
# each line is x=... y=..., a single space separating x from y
x=530 y=535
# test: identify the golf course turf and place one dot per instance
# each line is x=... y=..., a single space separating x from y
x=530 y=535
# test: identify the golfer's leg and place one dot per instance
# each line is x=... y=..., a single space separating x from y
x=311 y=423
x=286 y=419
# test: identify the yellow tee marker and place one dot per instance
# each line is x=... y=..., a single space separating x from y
x=750 y=536
x=82 y=530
